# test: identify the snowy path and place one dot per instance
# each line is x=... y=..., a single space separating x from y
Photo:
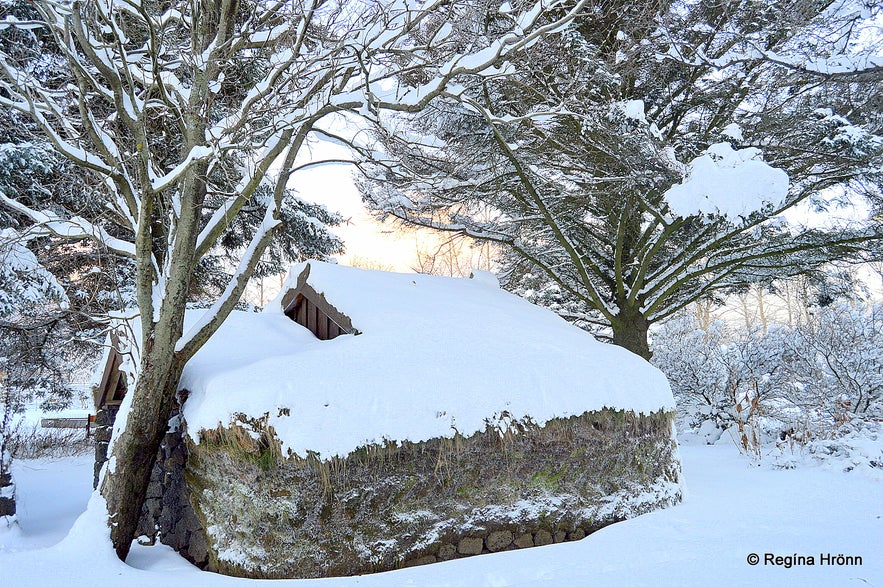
x=732 y=510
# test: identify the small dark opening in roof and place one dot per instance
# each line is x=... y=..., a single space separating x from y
x=309 y=315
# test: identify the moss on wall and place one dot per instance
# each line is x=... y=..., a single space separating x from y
x=270 y=514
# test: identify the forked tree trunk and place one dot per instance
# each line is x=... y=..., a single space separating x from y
x=133 y=451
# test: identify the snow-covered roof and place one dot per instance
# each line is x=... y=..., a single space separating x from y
x=434 y=355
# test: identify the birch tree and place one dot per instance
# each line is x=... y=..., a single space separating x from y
x=642 y=158
x=176 y=104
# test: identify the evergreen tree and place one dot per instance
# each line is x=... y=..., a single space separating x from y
x=640 y=159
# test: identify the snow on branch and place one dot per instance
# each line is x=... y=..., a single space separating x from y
x=224 y=214
x=833 y=66
x=211 y=320
x=728 y=182
x=525 y=31
x=197 y=153
x=75 y=228
x=11 y=22
x=840 y=65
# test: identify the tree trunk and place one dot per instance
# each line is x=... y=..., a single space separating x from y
x=630 y=330
x=134 y=452
x=761 y=310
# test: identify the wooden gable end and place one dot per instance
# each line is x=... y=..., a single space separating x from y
x=310 y=309
x=112 y=388
x=308 y=314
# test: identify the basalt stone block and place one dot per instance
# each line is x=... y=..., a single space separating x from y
x=542 y=538
x=423 y=560
x=577 y=534
x=7 y=495
x=470 y=545
x=447 y=552
x=499 y=540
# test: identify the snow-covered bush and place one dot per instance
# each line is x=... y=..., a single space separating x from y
x=836 y=362
x=695 y=362
x=35 y=442
x=809 y=384
x=855 y=445
x=721 y=380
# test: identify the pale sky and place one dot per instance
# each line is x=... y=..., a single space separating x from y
x=363 y=236
x=366 y=240
x=368 y=243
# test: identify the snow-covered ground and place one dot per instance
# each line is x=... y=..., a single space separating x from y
x=733 y=510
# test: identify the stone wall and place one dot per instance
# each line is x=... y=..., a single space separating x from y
x=7 y=495
x=478 y=542
x=102 y=428
x=271 y=515
x=167 y=514
x=7 y=486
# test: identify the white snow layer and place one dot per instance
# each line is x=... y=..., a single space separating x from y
x=728 y=182
x=633 y=109
x=733 y=131
x=435 y=356
x=732 y=509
